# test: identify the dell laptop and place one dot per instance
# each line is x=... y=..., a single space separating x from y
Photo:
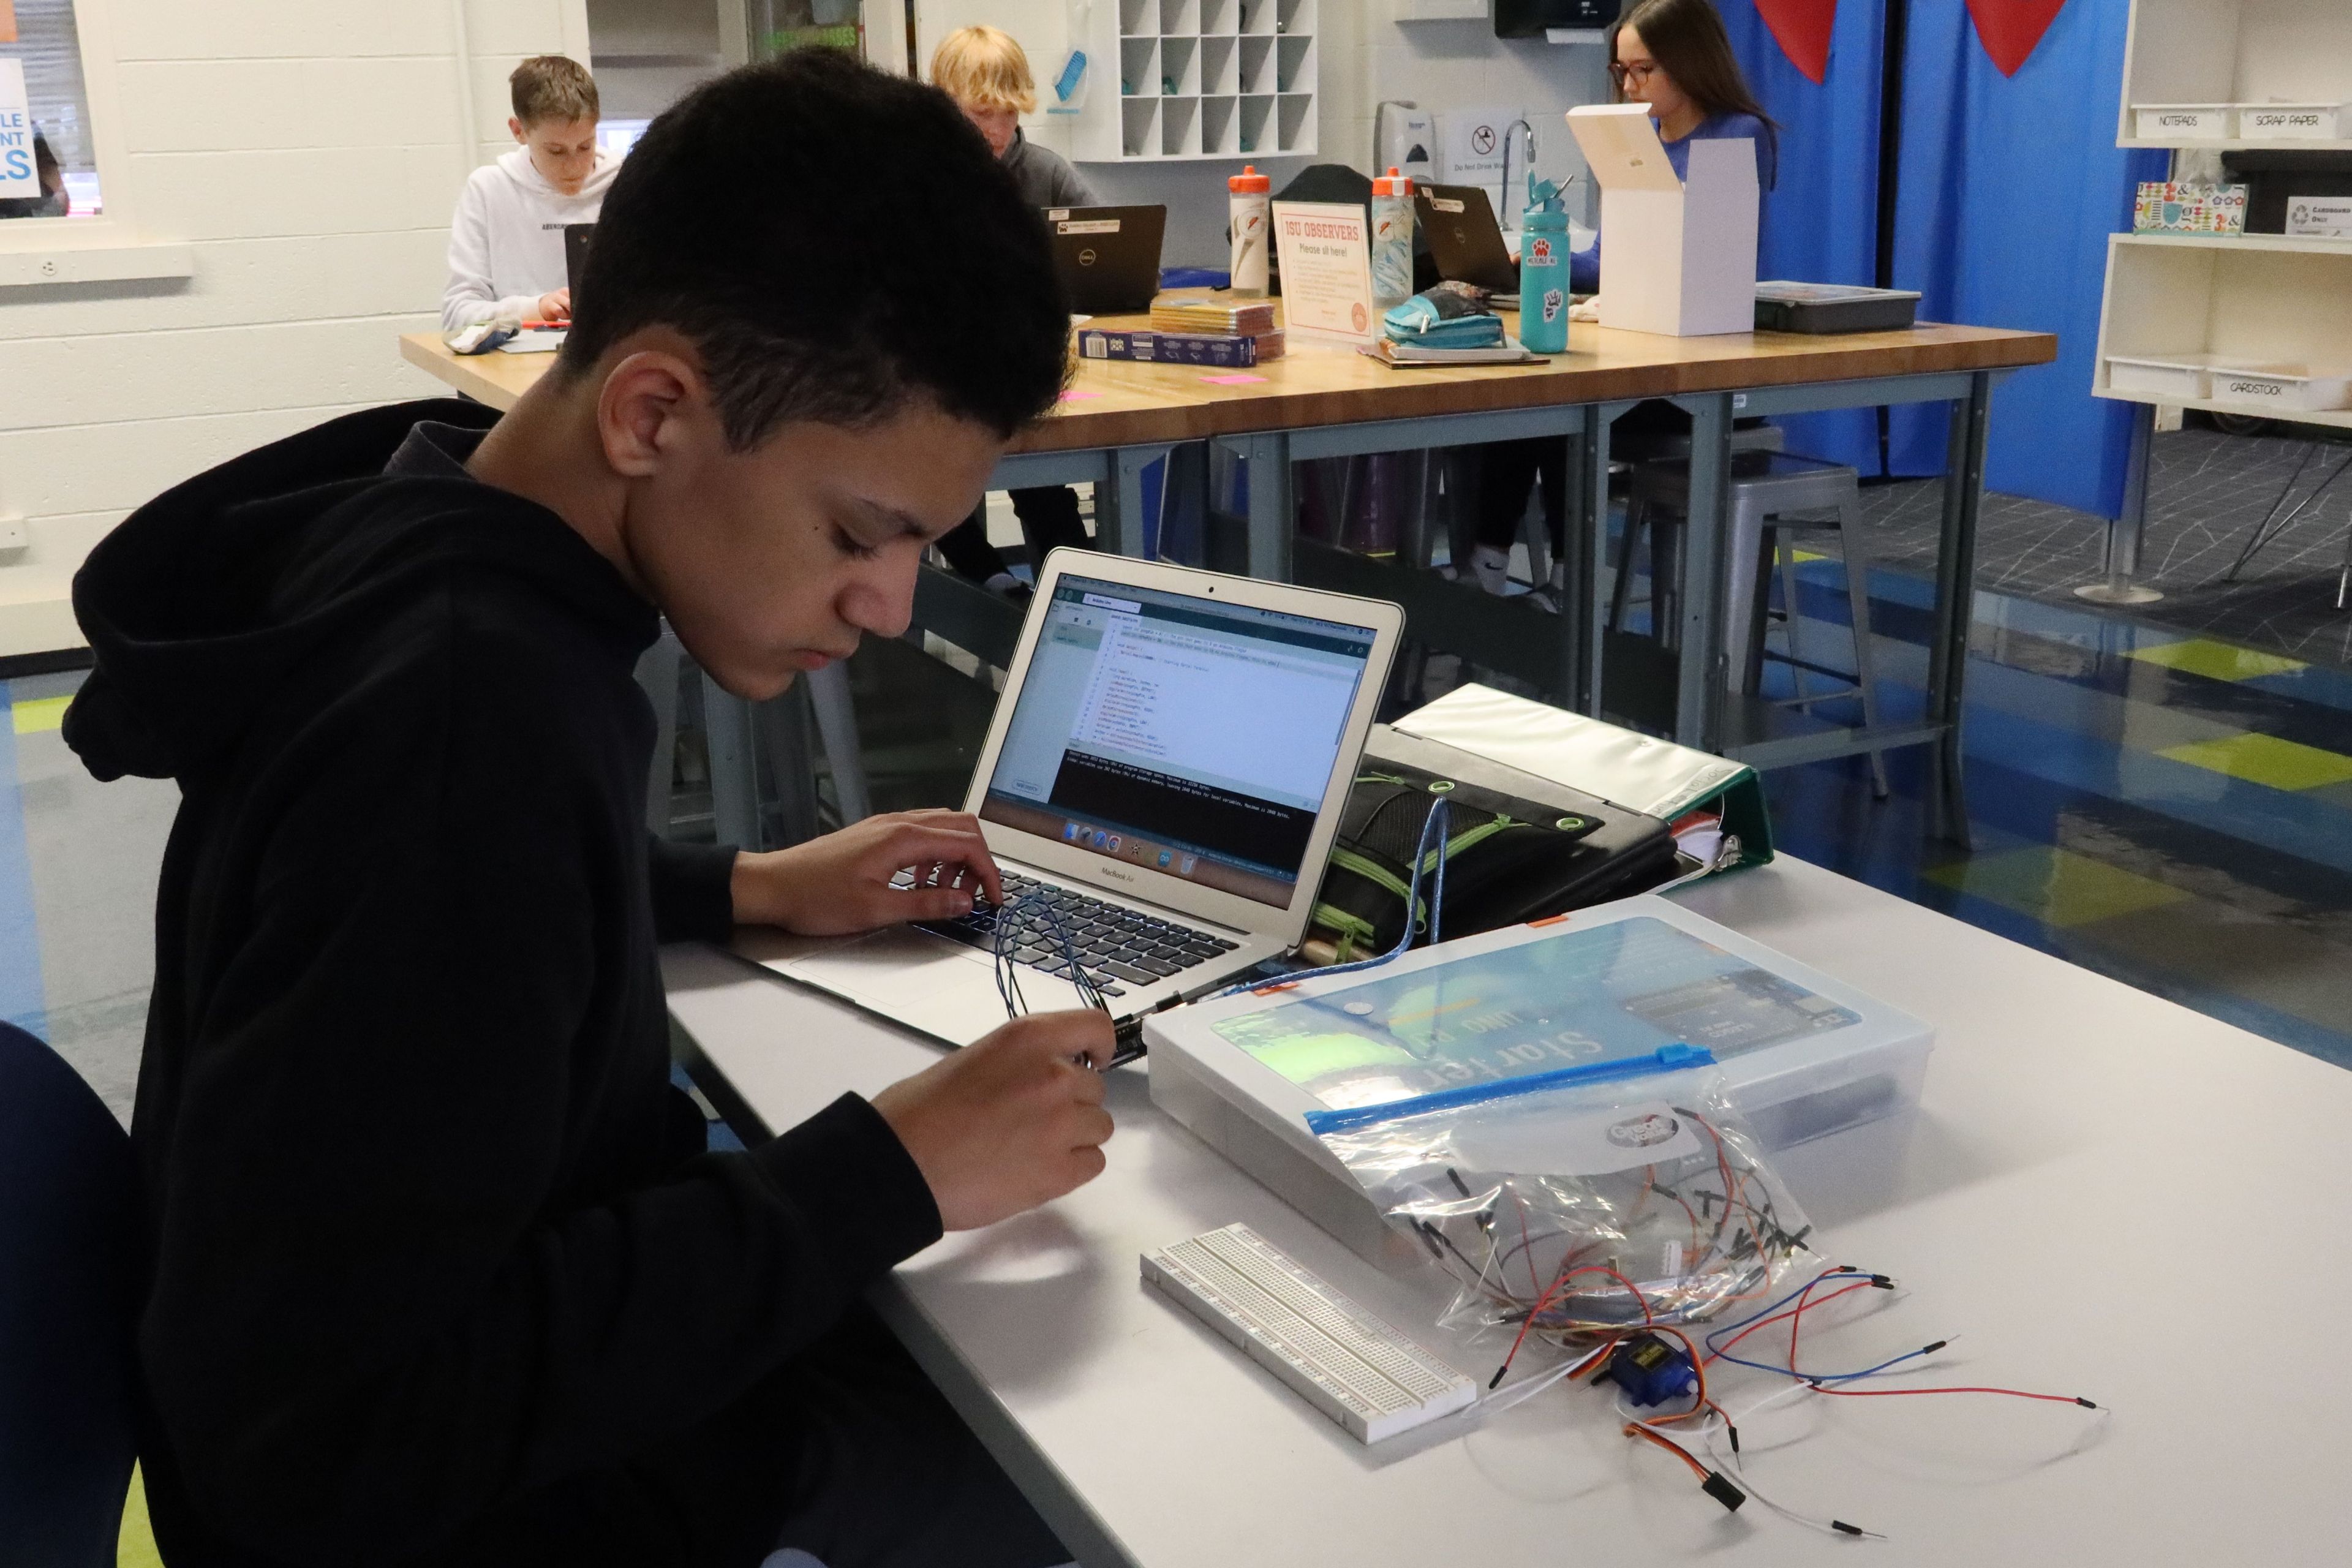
x=1464 y=241
x=1108 y=258
x=1167 y=765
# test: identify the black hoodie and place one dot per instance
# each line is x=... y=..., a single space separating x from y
x=437 y=1273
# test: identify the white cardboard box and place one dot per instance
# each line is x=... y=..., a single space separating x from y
x=1679 y=256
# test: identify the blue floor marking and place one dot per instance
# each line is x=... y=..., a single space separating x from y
x=22 y=1000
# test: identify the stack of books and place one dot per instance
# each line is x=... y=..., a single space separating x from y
x=1192 y=329
x=1201 y=313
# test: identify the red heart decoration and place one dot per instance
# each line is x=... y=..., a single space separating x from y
x=2011 y=30
x=1803 y=27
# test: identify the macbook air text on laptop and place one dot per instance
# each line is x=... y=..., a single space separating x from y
x=1170 y=759
x=1108 y=258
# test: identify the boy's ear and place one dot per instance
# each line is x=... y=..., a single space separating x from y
x=515 y=126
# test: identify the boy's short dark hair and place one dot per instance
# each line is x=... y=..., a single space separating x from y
x=836 y=243
x=553 y=86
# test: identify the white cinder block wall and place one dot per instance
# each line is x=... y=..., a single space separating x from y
x=1364 y=57
x=310 y=153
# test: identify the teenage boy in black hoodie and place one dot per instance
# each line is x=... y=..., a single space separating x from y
x=436 y=1275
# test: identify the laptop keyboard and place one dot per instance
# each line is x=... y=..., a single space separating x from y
x=1114 y=944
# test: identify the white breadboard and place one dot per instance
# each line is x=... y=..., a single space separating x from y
x=1343 y=1361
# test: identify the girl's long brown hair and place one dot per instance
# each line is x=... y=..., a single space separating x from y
x=1687 y=40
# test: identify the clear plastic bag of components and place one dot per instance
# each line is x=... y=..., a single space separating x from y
x=1585 y=1202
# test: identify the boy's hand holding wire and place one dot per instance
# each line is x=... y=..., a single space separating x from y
x=1011 y=1121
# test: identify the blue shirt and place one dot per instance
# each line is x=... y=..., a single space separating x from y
x=1584 y=266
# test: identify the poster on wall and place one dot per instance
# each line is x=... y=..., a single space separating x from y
x=18 y=177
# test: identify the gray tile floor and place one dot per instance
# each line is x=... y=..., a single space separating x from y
x=2207 y=494
x=93 y=851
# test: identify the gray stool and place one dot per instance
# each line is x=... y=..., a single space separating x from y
x=1767 y=489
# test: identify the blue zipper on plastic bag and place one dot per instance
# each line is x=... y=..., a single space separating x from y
x=1675 y=1058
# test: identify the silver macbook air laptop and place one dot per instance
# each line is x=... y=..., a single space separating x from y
x=1169 y=759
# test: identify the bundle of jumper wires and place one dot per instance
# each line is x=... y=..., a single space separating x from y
x=1037 y=920
x=1621 y=1213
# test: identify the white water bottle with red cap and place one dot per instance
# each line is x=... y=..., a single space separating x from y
x=1250 y=204
x=1391 y=240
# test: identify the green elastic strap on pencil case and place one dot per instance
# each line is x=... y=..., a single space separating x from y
x=1488 y=855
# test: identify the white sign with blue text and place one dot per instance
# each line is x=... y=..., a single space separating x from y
x=18 y=177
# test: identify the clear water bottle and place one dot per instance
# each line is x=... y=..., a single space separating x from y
x=1391 y=240
x=1543 y=271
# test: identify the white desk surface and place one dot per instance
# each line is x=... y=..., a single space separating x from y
x=2103 y=1193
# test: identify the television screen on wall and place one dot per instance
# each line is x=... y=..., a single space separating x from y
x=1532 y=19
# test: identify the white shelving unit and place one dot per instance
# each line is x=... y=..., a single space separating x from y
x=2247 y=53
x=2253 y=299
x=1196 y=78
x=2245 y=299
x=2260 y=299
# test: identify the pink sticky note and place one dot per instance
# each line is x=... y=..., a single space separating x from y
x=1078 y=397
x=1230 y=380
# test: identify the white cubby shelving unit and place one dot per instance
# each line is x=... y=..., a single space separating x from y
x=2247 y=300
x=2232 y=56
x=1195 y=78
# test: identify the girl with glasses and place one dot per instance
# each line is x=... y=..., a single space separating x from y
x=1675 y=56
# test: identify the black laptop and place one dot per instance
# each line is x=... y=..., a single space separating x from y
x=1108 y=258
x=1464 y=241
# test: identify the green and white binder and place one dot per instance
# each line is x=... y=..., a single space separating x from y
x=1627 y=769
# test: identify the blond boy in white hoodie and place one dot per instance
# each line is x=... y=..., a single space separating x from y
x=505 y=242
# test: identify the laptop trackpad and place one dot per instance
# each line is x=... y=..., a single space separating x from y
x=919 y=979
x=926 y=983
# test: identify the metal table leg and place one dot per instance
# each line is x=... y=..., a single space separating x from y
x=1699 y=708
x=659 y=669
x=734 y=768
x=2124 y=533
x=1587 y=550
x=1118 y=499
x=1956 y=566
x=1271 y=514
x=836 y=726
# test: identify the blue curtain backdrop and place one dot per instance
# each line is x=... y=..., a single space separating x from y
x=1821 y=219
x=2010 y=186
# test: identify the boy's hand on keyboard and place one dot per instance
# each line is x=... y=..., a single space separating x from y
x=1011 y=1121
x=843 y=882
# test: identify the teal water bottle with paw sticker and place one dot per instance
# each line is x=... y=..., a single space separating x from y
x=1543 y=271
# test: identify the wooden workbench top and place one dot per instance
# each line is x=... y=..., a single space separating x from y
x=1113 y=402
